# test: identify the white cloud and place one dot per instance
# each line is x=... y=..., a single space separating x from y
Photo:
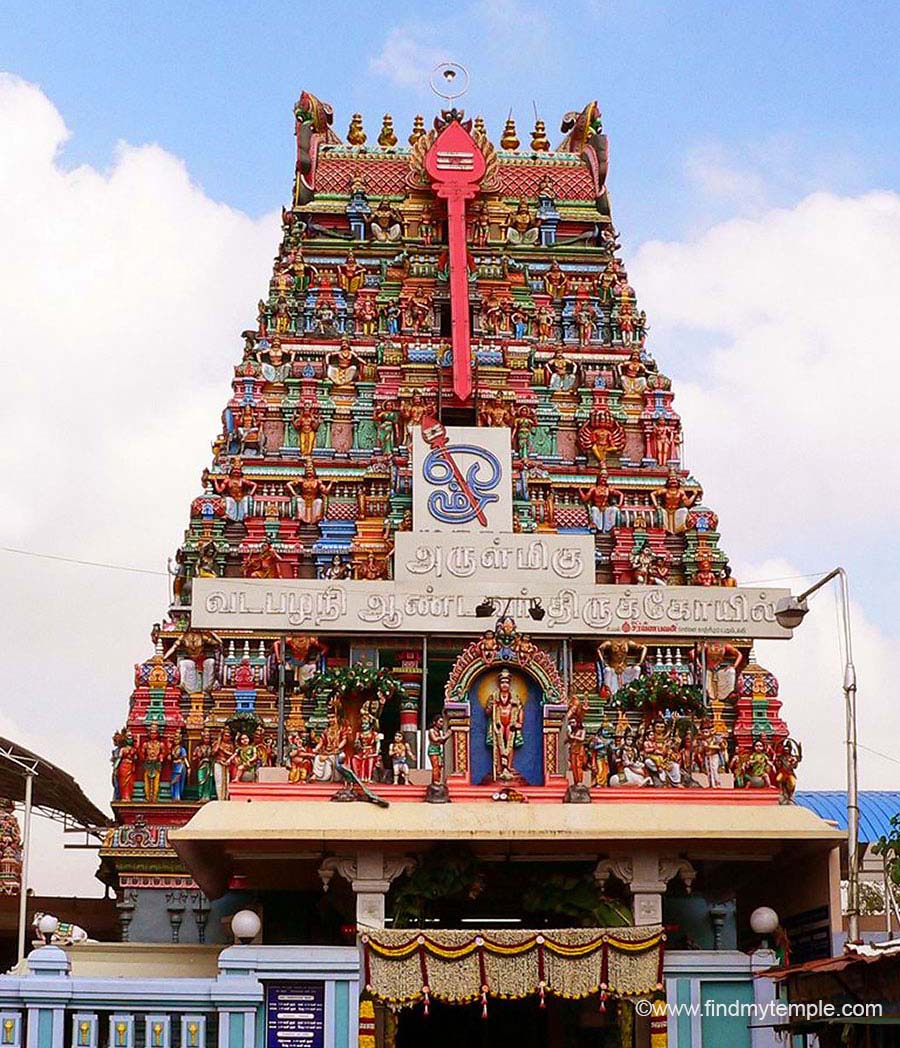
x=122 y=295
x=780 y=333
x=406 y=59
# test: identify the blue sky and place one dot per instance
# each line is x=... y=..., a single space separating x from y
x=804 y=91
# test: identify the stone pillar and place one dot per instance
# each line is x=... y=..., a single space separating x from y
x=370 y=874
x=647 y=874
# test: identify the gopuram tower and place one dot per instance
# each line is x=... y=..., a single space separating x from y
x=447 y=564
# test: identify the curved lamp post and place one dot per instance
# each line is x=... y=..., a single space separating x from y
x=789 y=613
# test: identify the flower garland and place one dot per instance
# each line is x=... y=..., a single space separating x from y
x=460 y=967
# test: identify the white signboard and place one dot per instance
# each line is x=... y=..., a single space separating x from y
x=320 y=605
x=461 y=478
x=492 y=563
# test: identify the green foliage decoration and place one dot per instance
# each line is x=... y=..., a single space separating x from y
x=658 y=691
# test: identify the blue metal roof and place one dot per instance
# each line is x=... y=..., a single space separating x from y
x=876 y=807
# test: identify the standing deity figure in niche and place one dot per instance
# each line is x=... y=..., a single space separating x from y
x=524 y=429
x=723 y=663
x=124 y=762
x=521 y=226
x=238 y=491
x=393 y=317
x=418 y=311
x=585 y=319
x=576 y=741
x=324 y=314
x=310 y=493
x=714 y=751
x=365 y=315
x=400 y=755
x=613 y=667
x=555 y=281
x=481 y=226
x=351 y=275
x=411 y=414
x=153 y=754
x=633 y=376
x=203 y=759
x=426 y=225
x=365 y=750
x=207 y=568
x=386 y=223
x=197 y=668
x=438 y=737
x=544 y=322
x=372 y=568
x=343 y=367
x=264 y=563
x=275 y=364
x=331 y=742
x=495 y=412
x=492 y=314
x=601 y=435
x=506 y=717
x=518 y=318
x=387 y=420
x=674 y=501
x=223 y=751
x=282 y=316
x=662 y=442
x=306 y=423
x=302 y=272
x=180 y=579
x=561 y=373
x=704 y=575
x=602 y=510
x=262 y=317
x=181 y=765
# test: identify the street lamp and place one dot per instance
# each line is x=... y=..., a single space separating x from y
x=790 y=612
x=245 y=925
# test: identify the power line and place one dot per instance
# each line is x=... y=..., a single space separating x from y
x=877 y=753
x=76 y=560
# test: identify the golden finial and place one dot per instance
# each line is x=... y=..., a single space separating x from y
x=387 y=139
x=356 y=136
x=539 y=141
x=418 y=129
x=509 y=140
x=479 y=126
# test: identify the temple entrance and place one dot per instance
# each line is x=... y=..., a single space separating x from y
x=561 y=1024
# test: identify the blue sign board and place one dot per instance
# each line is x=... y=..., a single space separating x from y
x=295 y=1015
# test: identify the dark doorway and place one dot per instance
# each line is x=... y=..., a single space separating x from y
x=561 y=1024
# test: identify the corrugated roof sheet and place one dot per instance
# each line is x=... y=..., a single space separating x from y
x=876 y=807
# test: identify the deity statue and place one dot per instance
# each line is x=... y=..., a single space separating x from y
x=180 y=579
x=629 y=766
x=302 y=272
x=197 y=668
x=393 y=317
x=387 y=421
x=662 y=442
x=246 y=760
x=492 y=314
x=481 y=226
x=419 y=310
x=365 y=315
x=338 y=568
x=310 y=496
x=613 y=667
x=495 y=412
x=275 y=363
x=601 y=502
x=524 y=429
x=372 y=568
x=788 y=755
x=203 y=759
x=400 y=755
x=714 y=755
x=438 y=737
x=633 y=376
x=124 y=762
x=756 y=767
x=576 y=740
x=704 y=575
x=506 y=717
x=674 y=500
x=181 y=765
x=238 y=491
x=249 y=432
x=153 y=752
x=223 y=751
x=282 y=316
x=601 y=435
x=411 y=414
x=324 y=313
x=299 y=757
x=264 y=563
x=351 y=275
x=330 y=744
x=386 y=223
x=207 y=567
x=426 y=224
x=365 y=749
x=555 y=281
x=723 y=663
x=342 y=367
x=544 y=322
x=649 y=568
x=561 y=373
x=521 y=226
x=306 y=422
x=518 y=319
x=585 y=319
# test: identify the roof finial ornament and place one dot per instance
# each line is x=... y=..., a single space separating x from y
x=539 y=141
x=418 y=129
x=356 y=134
x=387 y=139
x=509 y=140
x=449 y=80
